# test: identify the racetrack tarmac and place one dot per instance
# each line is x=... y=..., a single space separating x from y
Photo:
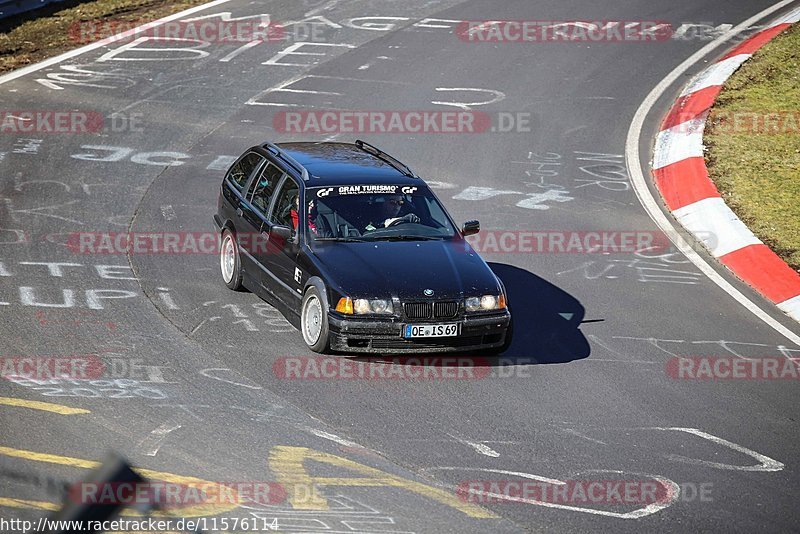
x=585 y=392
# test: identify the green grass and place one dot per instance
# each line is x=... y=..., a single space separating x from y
x=48 y=35
x=758 y=173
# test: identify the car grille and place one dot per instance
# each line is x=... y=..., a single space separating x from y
x=445 y=309
x=426 y=310
x=418 y=310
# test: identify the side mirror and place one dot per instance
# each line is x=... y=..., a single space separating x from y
x=282 y=232
x=471 y=227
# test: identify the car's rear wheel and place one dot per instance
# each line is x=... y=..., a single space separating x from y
x=314 y=321
x=229 y=262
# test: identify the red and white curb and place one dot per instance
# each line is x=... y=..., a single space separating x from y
x=682 y=178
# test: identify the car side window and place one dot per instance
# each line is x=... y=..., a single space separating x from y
x=286 y=212
x=242 y=169
x=264 y=187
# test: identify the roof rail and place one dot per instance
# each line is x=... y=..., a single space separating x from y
x=288 y=159
x=378 y=153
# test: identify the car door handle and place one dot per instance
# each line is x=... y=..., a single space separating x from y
x=239 y=212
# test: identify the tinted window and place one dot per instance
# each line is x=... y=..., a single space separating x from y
x=286 y=209
x=242 y=169
x=377 y=212
x=265 y=186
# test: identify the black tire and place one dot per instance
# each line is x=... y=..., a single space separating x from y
x=314 y=320
x=229 y=246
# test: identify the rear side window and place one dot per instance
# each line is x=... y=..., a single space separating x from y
x=264 y=187
x=242 y=169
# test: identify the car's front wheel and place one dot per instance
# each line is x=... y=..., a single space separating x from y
x=229 y=262
x=314 y=321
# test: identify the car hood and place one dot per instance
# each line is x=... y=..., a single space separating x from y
x=452 y=269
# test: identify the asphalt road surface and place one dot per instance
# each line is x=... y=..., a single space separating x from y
x=193 y=383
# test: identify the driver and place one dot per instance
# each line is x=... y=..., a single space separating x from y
x=388 y=213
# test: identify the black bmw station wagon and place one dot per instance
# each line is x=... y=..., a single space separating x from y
x=356 y=251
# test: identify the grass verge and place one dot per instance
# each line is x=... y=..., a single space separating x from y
x=753 y=144
x=45 y=33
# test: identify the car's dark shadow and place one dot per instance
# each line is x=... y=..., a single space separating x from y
x=546 y=321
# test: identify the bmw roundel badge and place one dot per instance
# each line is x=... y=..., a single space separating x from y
x=428 y=292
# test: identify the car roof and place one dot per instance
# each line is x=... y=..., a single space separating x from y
x=344 y=164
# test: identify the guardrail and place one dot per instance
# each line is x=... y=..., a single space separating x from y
x=9 y=8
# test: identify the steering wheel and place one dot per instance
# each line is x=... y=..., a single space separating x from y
x=396 y=222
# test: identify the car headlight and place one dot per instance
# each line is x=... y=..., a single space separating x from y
x=485 y=303
x=376 y=306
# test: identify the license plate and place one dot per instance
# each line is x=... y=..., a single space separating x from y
x=430 y=330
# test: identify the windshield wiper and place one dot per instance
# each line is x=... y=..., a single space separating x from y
x=344 y=239
x=406 y=238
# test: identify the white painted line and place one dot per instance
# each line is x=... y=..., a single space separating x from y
x=480 y=447
x=716 y=226
x=587 y=438
x=765 y=463
x=790 y=18
x=791 y=307
x=496 y=96
x=317 y=10
x=278 y=87
x=684 y=140
x=246 y=46
x=636 y=514
x=331 y=437
x=715 y=74
x=211 y=373
x=152 y=443
x=307 y=92
x=501 y=472
x=672 y=489
x=639 y=182
x=103 y=42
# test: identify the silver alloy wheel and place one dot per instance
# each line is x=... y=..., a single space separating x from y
x=227 y=259
x=312 y=320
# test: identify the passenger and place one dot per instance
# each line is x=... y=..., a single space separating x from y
x=316 y=222
x=294 y=213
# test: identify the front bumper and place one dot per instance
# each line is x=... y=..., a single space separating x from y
x=353 y=334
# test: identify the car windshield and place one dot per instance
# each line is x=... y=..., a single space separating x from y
x=376 y=213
